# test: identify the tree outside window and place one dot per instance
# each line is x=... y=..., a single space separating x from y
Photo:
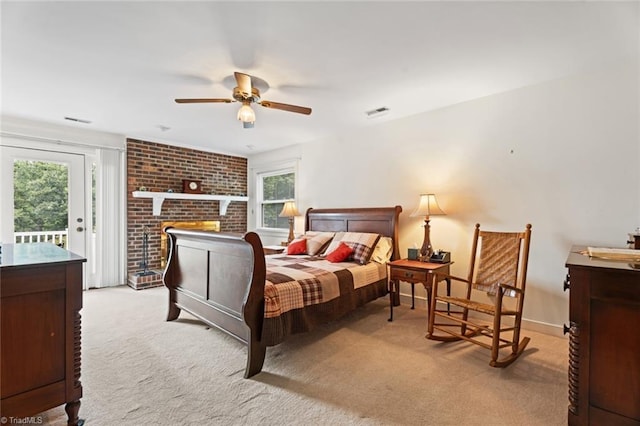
x=276 y=190
x=40 y=196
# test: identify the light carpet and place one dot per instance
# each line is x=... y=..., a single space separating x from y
x=138 y=369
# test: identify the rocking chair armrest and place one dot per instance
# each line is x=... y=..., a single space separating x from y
x=452 y=278
x=509 y=288
x=441 y=276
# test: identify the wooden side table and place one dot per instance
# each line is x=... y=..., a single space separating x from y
x=414 y=272
x=273 y=249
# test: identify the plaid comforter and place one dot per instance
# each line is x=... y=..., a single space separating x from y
x=294 y=282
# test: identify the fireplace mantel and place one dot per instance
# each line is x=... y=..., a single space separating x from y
x=159 y=197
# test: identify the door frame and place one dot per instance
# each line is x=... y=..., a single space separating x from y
x=79 y=195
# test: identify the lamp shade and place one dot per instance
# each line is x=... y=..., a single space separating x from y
x=289 y=209
x=246 y=114
x=428 y=206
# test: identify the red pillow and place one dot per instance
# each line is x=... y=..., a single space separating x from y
x=297 y=247
x=342 y=252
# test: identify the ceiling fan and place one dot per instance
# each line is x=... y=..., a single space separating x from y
x=247 y=94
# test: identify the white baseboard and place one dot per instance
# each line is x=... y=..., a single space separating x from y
x=527 y=324
x=542 y=327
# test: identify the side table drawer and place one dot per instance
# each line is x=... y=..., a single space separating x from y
x=408 y=275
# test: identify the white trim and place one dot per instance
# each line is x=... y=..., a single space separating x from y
x=57 y=141
x=543 y=327
x=265 y=170
x=273 y=165
x=273 y=232
x=159 y=197
x=47 y=132
x=91 y=266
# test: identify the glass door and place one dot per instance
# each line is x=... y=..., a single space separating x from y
x=43 y=198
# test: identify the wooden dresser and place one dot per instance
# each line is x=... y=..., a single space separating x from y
x=604 y=341
x=40 y=302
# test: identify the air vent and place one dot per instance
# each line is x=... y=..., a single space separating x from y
x=78 y=120
x=378 y=112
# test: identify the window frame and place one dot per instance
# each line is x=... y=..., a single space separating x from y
x=260 y=175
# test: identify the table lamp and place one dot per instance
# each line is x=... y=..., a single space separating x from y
x=428 y=206
x=289 y=210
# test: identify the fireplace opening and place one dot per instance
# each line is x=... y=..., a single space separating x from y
x=201 y=225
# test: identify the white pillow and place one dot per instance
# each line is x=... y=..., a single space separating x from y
x=383 y=251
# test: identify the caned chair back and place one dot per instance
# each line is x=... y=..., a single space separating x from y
x=500 y=270
x=501 y=259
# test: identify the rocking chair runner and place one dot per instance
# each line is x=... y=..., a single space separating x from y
x=500 y=271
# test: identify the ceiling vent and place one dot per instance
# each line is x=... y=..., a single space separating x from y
x=378 y=112
x=78 y=120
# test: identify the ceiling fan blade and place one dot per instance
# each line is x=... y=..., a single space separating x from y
x=286 y=107
x=203 y=100
x=244 y=83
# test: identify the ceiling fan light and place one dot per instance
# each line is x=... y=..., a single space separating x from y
x=246 y=114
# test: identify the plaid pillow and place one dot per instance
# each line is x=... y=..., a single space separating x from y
x=362 y=244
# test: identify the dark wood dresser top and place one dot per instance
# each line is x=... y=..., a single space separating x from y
x=577 y=259
x=34 y=254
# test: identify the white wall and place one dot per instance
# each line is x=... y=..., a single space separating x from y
x=562 y=156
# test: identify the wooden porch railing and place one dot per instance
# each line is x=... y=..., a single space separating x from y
x=56 y=237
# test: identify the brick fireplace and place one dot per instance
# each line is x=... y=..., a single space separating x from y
x=159 y=167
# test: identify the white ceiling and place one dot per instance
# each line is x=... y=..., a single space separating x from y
x=121 y=64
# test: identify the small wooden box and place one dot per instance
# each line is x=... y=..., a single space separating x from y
x=191 y=186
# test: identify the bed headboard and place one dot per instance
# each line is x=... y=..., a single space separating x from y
x=380 y=220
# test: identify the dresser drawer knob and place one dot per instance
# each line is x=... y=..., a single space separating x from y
x=408 y=274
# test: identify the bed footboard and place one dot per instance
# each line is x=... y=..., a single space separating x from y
x=219 y=278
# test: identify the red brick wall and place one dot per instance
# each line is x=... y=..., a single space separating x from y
x=159 y=167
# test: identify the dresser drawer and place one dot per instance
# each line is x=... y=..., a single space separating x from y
x=408 y=275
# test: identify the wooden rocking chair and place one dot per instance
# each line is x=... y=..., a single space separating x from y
x=501 y=271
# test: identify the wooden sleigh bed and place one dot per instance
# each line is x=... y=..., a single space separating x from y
x=220 y=279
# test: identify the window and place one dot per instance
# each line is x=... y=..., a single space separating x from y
x=273 y=189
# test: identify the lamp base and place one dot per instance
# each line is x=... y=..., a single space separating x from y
x=291 y=237
x=426 y=251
